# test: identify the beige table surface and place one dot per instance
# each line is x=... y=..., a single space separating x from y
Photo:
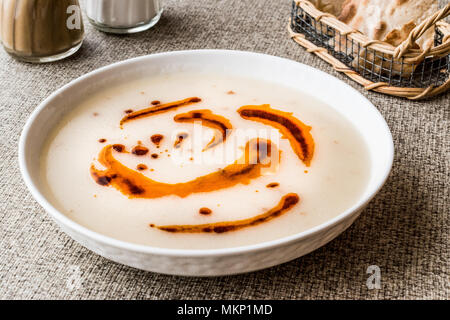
x=405 y=230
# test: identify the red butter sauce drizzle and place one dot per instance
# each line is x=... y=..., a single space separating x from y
x=118 y=147
x=156 y=139
x=179 y=140
x=286 y=203
x=157 y=109
x=257 y=156
x=273 y=185
x=142 y=167
x=296 y=131
x=210 y=120
x=139 y=150
x=205 y=211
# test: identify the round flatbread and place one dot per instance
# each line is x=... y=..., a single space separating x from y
x=389 y=20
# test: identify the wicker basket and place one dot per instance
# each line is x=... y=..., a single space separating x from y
x=399 y=71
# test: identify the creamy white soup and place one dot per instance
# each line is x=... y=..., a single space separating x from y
x=203 y=161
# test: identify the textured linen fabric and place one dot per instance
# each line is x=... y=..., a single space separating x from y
x=404 y=231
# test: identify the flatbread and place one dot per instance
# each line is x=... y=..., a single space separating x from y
x=396 y=36
x=389 y=20
x=329 y=6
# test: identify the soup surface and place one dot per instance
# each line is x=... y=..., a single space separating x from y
x=203 y=161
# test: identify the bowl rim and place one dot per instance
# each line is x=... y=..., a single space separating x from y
x=146 y=249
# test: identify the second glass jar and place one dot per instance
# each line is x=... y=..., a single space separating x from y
x=123 y=16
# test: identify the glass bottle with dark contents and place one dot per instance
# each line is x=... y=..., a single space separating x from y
x=41 y=30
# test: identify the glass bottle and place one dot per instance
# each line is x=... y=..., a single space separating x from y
x=41 y=30
x=123 y=16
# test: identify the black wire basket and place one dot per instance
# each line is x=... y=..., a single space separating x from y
x=375 y=64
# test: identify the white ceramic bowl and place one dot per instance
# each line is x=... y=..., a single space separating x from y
x=334 y=92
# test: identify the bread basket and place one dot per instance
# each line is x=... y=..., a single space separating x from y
x=402 y=71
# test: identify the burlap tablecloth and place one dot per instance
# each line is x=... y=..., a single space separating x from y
x=404 y=231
